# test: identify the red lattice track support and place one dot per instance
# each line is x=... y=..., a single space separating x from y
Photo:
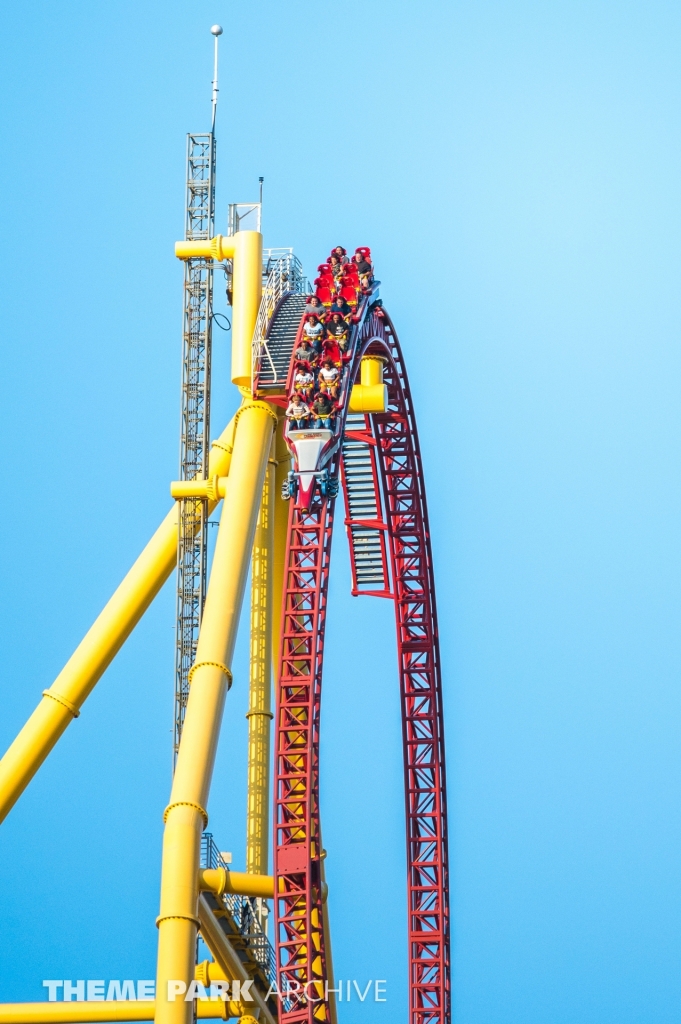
x=406 y=514
x=299 y=939
x=297 y=844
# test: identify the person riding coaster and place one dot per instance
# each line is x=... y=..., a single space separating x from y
x=329 y=379
x=365 y=270
x=298 y=412
x=339 y=331
x=341 y=305
x=314 y=306
x=323 y=410
x=314 y=331
x=341 y=254
x=336 y=269
x=303 y=381
x=313 y=441
x=305 y=354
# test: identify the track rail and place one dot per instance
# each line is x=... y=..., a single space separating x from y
x=398 y=475
x=297 y=852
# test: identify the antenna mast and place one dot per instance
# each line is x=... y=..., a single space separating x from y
x=217 y=32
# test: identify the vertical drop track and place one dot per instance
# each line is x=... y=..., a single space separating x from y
x=398 y=471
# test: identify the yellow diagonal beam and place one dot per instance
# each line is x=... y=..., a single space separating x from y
x=100 y=1012
x=210 y=676
x=63 y=701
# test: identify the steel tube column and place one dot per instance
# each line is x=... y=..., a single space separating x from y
x=186 y=816
x=100 y=1012
x=260 y=698
x=245 y=248
x=228 y=960
x=62 y=702
x=281 y=514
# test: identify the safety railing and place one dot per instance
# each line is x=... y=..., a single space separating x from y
x=242 y=910
x=284 y=277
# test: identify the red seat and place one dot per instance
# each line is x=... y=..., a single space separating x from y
x=330 y=350
x=323 y=292
x=349 y=293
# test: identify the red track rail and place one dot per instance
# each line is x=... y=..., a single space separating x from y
x=297 y=846
x=297 y=860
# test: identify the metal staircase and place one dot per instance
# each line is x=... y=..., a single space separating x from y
x=279 y=342
x=238 y=918
x=364 y=520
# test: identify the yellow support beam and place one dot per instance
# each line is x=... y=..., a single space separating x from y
x=63 y=701
x=259 y=712
x=210 y=678
x=211 y=489
x=220 y=881
x=371 y=394
x=245 y=248
x=281 y=514
x=96 y=1012
x=227 y=958
x=326 y=927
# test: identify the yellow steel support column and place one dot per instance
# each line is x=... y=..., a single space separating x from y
x=98 y=1012
x=245 y=248
x=281 y=513
x=62 y=702
x=327 y=947
x=186 y=815
x=260 y=697
x=228 y=960
x=371 y=394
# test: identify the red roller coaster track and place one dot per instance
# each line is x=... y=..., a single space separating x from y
x=403 y=519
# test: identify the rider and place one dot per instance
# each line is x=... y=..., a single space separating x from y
x=336 y=269
x=313 y=331
x=313 y=305
x=329 y=378
x=341 y=254
x=303 y=381
x=339 y=331
x=322 y=409
x=364 y=269
x=305 y=353
x=342 y=306
x=298 y=411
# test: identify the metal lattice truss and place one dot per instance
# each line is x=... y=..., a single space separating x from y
x=195 y=420
x=297 y=836
x=385 y=496
x=406 y=516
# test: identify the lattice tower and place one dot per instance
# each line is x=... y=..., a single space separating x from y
x=195 y=415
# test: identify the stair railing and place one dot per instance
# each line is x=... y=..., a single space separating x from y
x=284 y=277
x=242 y=911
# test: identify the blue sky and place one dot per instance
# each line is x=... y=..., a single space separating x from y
x=515 y=169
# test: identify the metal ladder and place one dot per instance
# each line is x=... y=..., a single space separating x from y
x=364 y=520
x=195 y=418
x=281 y=336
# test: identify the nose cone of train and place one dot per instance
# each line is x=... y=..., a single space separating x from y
x=308 y=445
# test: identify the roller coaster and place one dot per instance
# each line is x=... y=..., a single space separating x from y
x=278 y=480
